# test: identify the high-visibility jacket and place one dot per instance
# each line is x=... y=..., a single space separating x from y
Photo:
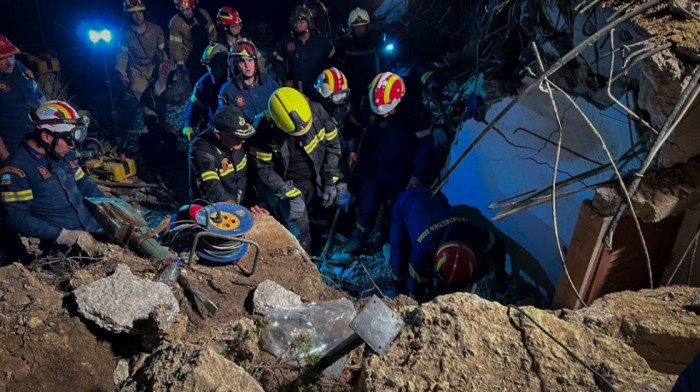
x=181 y=38
x=41 y=196
x=216 y=174
x=320 y=143
x=19 y=95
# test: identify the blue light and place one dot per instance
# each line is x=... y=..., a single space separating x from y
x=389 y=47
x=97 y=36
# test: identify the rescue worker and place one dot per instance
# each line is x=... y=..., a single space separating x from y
x=141 y=56
x=191 y=30
x=248 y=89
x=319 y=12
x=298 y=161
x=205 y=96
x=332 y=90
x=436 y=249
x=218 y=161
x=303 y=55
x=230 y=26
x=395 y=150
x=42 y=186
x=19 y=95
x=358 y=52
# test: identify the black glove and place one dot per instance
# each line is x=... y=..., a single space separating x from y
x=329 y=193
x=296 y=208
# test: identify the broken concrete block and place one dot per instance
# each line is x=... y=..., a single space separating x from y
x=122 y=302
x=188 y=367
x=121 y=372
x=269 y=295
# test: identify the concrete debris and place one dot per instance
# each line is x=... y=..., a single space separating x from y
x=270 y=295
x=123 y=303
x=237 y=341
x=657 y=324
x=121 y=372
x=461 y=342
x=189 y=367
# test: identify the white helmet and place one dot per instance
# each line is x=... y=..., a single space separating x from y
x=358 y=17
x=60 y=117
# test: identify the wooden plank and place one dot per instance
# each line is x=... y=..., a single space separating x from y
x=582 y=257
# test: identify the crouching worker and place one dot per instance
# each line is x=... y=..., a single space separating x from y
x=436 y=250
x=42 y=186
x=219 y=166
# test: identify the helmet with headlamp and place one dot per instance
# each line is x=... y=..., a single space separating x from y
x=60 y=119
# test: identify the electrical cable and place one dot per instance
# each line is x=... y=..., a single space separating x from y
x=568 y=351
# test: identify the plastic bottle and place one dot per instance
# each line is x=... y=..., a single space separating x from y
x=170 y=273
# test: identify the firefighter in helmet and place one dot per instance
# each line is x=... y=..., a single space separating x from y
x=191 y=30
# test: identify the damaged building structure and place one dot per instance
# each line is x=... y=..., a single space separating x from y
x=571 y=126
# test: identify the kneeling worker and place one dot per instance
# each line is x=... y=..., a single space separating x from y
x=219 y=163
x=42 y=186
x=435 y=249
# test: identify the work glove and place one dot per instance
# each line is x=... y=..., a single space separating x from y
x=343 y=196
x=414 y=182
x=69 y=237
x=329 y=194
x=188 y=132
x=296 y=208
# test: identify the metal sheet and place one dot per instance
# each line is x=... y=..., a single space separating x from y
x=377 y=325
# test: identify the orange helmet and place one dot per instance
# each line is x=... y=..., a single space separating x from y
x=6 y=47
x=332 y=84
x=184 y=4
x=385 y=92
x=228 y=16
x=134 y=5
x=455 y=262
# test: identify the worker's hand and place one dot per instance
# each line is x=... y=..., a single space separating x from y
x=414 y=182
x=188 y=132
x=255 y=210
x=70 y=237
x=125 y=80
x=352 y=159
x=297 y=208
x=329 y=193
x=343 y=196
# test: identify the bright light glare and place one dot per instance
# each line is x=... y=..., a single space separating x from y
x=96 y=36
x=389 y=47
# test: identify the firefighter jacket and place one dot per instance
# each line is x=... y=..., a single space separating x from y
x=41 y=196
x=216 y=174
x=141 y=53
x=320 y=143
x=19 y=95
x=203 y=102
x=251 y=100
x=181 y=37
x=401 y=143
x=419 y=224
x=302 y=63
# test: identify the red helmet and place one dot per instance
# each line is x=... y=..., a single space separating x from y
x=184 y=4
x=134 y=5
x=332 y=84
x=385 y=92
x=6 y=47
x=455 y=262
x=243 y=47
x=228 y=16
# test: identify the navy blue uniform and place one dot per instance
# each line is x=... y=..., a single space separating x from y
x=419 y=224
x=392 y=150
x=302 y=63
x=41 y=196
x=358 y=58
x=203 y=102
x=19 y=95
x=251 y=100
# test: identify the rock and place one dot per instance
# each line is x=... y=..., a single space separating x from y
x=660 y=86
x=676 y=39
x=430 y=353
x=122 y=302
x=34 y=322
x=657 y=324
x=270 y=295
x=121 y=372
x=189 y=367
x=695 y=304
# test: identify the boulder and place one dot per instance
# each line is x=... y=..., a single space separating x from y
x=122 y=302
x=270 y=295
x=189 y=367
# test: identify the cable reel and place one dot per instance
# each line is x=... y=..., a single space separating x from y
x=227 y=220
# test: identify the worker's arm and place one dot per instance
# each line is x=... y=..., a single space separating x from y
x=424 y=146
x=267 y=174
x=176 y=48
x=223 y=94
x=211 y=29
x=16 y=197
x=123 y=53
x=162 y=55
x=330 y=171
x=206 y=175
x=195 y=107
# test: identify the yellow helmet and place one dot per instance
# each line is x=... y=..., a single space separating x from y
x=290 y=111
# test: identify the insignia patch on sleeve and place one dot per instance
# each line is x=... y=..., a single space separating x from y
x=12 y=169
x=6 y=179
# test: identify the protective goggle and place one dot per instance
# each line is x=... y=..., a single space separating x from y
x=77 y=134
x=339 y=97
x=243 y=49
